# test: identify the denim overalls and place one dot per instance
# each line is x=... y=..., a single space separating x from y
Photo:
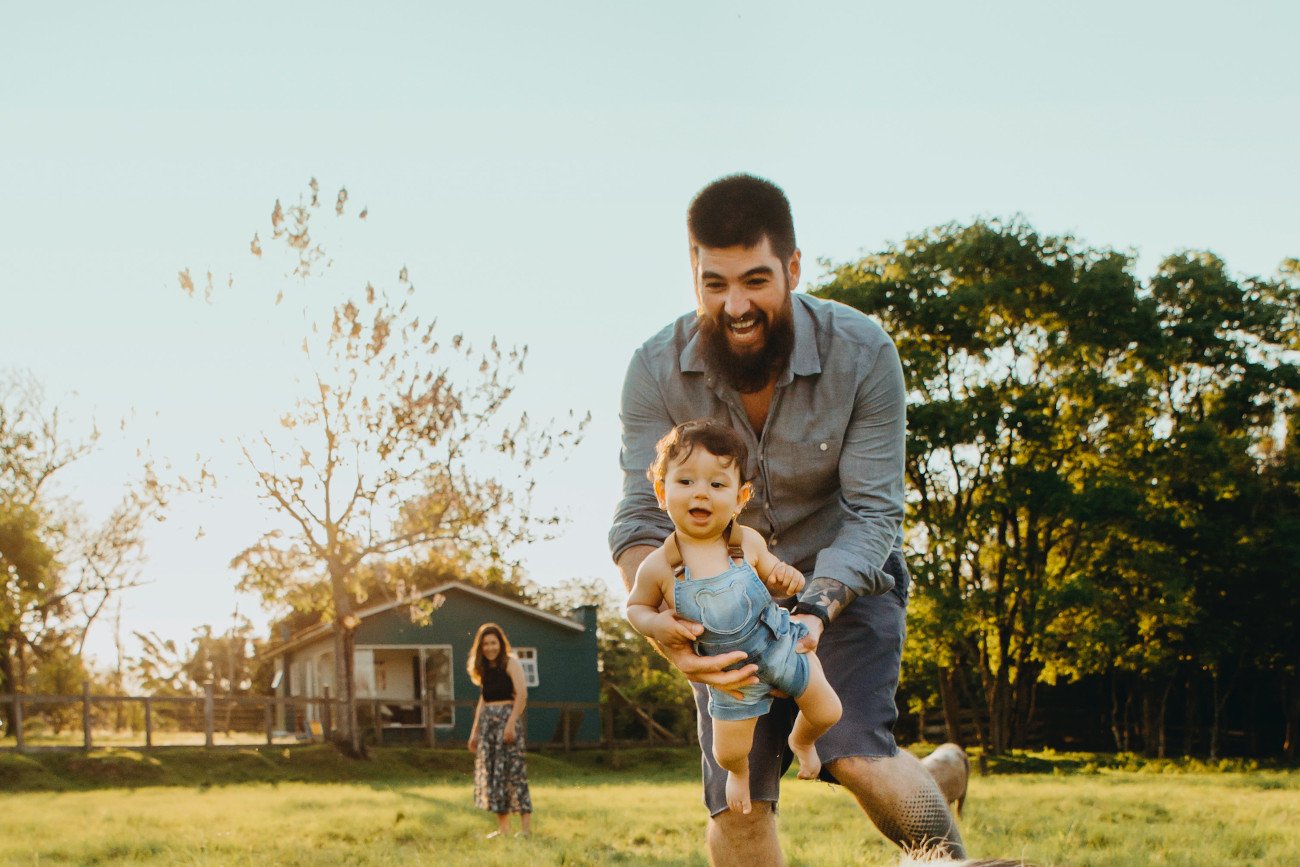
x=738 y=613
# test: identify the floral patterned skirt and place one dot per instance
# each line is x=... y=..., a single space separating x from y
x=500 y=780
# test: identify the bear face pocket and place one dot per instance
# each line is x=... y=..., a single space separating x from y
x=724 y=610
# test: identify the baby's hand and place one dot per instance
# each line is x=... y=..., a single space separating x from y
x=784 y=580
x=669 y=629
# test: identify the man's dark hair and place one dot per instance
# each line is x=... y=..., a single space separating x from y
x=713 y=436
x=740 y=210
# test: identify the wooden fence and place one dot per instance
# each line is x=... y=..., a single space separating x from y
x=41 y=722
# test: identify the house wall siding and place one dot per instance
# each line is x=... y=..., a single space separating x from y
x=566 y=657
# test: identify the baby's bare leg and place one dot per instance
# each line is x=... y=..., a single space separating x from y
x=819 y=709
x=732 y=741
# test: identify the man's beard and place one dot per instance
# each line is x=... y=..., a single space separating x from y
x=752 y=371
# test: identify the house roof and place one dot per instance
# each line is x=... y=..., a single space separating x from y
x=322 y=629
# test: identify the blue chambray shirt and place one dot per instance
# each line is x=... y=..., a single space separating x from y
x=828 y=468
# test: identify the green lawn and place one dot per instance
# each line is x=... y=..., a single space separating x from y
x=414 y=807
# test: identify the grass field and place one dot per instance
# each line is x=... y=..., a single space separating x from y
x=310 y=807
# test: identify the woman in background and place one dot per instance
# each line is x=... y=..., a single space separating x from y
x=497 y=739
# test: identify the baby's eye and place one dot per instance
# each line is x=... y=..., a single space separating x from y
x=683 y=481
x=719 y=484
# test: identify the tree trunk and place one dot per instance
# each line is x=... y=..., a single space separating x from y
x=7 y=684
x=349 y=734
x=1148 y=721
x=1000 y=712
x=1217 y=718
x=1161 y=729
x=1115 y=734
x=1026 y=678
x=1191 y=715
x=1251 y=722
x=951 y=704
x=1291 y=710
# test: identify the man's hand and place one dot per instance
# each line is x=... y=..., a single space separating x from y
x=473 y=742
x=709 y=669
x=675 y=638
x=784 y=580
x=808 y=643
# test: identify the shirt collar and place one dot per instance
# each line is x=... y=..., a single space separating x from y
x=804 y=359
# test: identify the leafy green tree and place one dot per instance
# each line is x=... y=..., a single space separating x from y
x=1082 y=455
x=1016 y=347
x=1227 y=379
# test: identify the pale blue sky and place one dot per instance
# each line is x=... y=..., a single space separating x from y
x=531 y=165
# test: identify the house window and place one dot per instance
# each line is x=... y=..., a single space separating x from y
x=527 y=657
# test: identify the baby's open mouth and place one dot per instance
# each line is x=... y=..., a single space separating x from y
x=700 y=513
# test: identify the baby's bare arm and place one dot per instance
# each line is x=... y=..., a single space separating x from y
x=781 y=579
x=646 y=608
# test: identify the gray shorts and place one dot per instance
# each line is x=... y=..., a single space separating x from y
x=860 y=653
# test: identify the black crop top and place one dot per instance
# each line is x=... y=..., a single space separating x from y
x=497 y=685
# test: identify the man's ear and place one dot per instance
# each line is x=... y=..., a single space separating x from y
x=659 y=493
x=746 y=491
x=794 y=269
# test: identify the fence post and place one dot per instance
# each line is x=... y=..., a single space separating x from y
x=379 y=724
x=610 y=744
x=429 y=734
x=85 y=713
x=18 y=724
x=270 y=721
x=328 y=714
x=566 y=721
x=207 y=714
x=148 y=721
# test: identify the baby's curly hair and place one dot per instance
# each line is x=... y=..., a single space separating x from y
x=709 y=434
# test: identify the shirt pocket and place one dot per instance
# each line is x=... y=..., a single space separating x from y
x=812 y=466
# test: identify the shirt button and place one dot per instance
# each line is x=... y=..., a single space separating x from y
x=822 y=446
x=775 y=541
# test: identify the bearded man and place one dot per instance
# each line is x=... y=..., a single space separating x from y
x=816 y=390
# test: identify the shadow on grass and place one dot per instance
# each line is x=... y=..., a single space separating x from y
x=57 y=771
x=414 y=766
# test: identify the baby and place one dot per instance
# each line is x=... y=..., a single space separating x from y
x=713 y=571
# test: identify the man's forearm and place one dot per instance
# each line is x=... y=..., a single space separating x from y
x=630 y=561
x=825 y=598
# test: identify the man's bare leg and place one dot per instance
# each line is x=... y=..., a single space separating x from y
x=901 y=798
x=744 y=839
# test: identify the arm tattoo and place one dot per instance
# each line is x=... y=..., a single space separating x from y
x=829 y=595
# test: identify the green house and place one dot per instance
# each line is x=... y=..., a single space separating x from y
x=400 y=661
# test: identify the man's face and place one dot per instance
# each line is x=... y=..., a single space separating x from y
x=743 y=300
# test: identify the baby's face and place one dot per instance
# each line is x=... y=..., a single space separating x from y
x=702 y=493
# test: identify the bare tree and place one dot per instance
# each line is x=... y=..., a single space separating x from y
x=58 y=569
x=398 y=445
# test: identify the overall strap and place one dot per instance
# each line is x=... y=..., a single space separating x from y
x=673 y=554
x=734 y=549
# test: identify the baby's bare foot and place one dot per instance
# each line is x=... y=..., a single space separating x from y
x=738 y=792
x=809 y=764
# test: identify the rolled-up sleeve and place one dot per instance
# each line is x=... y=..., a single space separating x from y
x=871 y=480
x=638 y=520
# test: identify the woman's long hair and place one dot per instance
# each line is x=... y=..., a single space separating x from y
x=477 y=664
